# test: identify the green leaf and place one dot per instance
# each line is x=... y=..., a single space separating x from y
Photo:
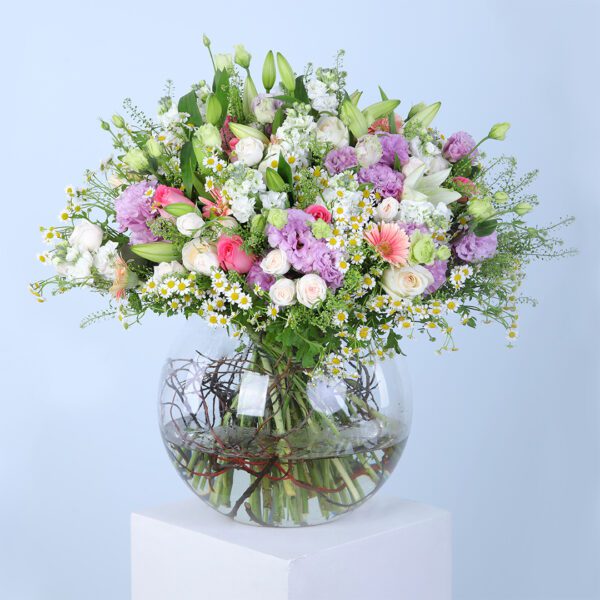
x=392 y=116
x=188 y=162
x=277 y=120
x=355 y=97
x=300 y=91
x=287 y=100
x=189 y=104
x=379 y=109
x=284 y=169
x=486 y=227
x=221 y=89
x=157 y=251
x=397 y=163
x=178 y=208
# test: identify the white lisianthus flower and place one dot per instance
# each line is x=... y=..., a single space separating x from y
x=208 y=135
x=249 y=151
x=315 y=88
x=332 y=130
x=387 y=210
x=414 y=211
x=283 y=292
x=77 y=264
x=190 y=224
x=86 y=236
x=275 y=262
x=167 y=268
x=223 y=61
x=273 y=199
x=368 y=150
x=406 y=282
x=325 y=104
x=264 y=108
x=106 y=258
x=199 y=257
x=311 y=290
x=242 y=208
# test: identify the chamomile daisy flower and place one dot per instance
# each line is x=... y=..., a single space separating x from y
x=70 y=191
x=340 y=318
x=272 y=311
x=212 y=319
x=174 y=304
x=368 y=282
x=171 y=284
x=65 y=215
x=364 y=333
x=43 y=258
x=244 y=301
x=451 y=305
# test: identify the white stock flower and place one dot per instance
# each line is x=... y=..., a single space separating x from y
x=190 y=224
x=275 y=262
x=315 y=88
x=283 y=292
x=332 y=131
x=105 y=259
x=387 y=210
x=199 y=257
x=242 y=208
x=406 y=282
x=249 y=151
x=368 y=150
x=311 y=289
x=167 y=268
x=273 y=199
x=325 y=104
x=86 y=236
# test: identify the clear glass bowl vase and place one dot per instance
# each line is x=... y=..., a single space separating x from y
x=268 y=443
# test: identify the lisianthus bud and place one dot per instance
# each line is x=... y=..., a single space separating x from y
x=153 y=148
x=208 y=135
x=320 y=229
x=523 y=208
x=422 y=249
x=258 y=224
x=500 y=197
x=480 y=209
x=443 y=253
x=287 y=74
x=104 y=125
x=136 y=159
x=213 y=109
x=242 y=57
x=268 y=73
x=277 y=217
x=223 y=62
x=119 y=121
x=206 y=40
x=498 y=131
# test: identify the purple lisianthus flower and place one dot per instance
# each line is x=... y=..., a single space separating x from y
x=385 y=180
x=472 y=248
x=257 y=275
x=410 y=228
x=340 y=159
x=325 y=264
x=393 y=144
x=438 y=270
x=295 y=238
x=134 y=210
x=459 y=145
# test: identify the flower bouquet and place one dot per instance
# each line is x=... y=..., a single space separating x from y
x=318 y=232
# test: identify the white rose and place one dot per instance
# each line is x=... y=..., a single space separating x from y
x=387 y=210
x=315 y=88
x=249 y=151
x=283 y=292
x=368 y=150
x=406 y=282
x=190 y=224
x=242 y=208
x=86 y=236
x=264 y=109
x=327 y=103
x=199 y=257
x=311 y=290
x=332 y=131
x=105 y=260
x=273 y=199
x=167 y=268
x=275 y=263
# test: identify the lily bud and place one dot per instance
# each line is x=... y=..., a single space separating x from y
x=213 y=109
x=242 y=57
x=118 y=121
x=415 y=109
x=426 y=115
x=274 y=181
x=523 y=208
x=268 y=73
x=250 y=92
x=287 y=74
x=354 y=118
x=498 y=131
x=206 y=40
x=153 y=148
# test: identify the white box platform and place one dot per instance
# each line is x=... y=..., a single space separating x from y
x=389 y=549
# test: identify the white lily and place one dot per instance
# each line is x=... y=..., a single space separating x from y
x=420 y=187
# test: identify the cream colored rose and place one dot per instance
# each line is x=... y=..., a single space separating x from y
x=387 y=210
x=311 y=290
x=406 y=282
x=249 y=151
x=332 y=131
x=283 y=292
x=199 y=257
x=190 y=224
x=275 y=263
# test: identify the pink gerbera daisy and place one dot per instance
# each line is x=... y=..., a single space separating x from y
x=390 y=241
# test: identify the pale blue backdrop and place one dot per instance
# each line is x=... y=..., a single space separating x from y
x=507 y=440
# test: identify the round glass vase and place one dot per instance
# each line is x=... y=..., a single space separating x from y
x=266 y=442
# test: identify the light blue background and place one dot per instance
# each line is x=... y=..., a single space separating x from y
x=507 y=440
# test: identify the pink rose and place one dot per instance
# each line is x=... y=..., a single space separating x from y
x=231 y=256
x=319 y=212
x=165 y=195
